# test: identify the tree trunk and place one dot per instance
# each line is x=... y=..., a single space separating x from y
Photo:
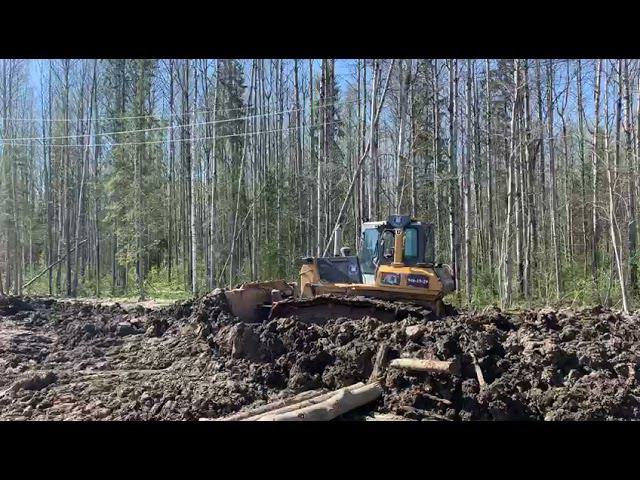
x=453 y=168
x=506 y=240
x=552 y=171
x=594 y=205
x=633 y=229
x=436 y=156
x=611 y=178
x=583 y=169
x=331 y=408
x=421 y=365
x=285 y=402
x=467 y=190
x=490 y=168
x=67 y=185
x=299 y=404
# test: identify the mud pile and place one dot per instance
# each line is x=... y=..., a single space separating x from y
x=61 y=360
x=564 y=365
x=64 y=361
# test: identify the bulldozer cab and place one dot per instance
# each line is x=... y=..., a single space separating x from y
x=379 y=244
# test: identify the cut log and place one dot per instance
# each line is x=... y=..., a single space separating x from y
x=302 y=404
x=270 y=406
x=421 y=365
x=337 y=405
x=380 y=362
x=479 y=374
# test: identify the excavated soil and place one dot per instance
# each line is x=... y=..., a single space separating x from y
x=74 y=361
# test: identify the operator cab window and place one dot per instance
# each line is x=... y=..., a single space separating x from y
x=410 y=251
x=411 y=245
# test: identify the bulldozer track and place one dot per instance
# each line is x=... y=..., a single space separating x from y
x=321 y=308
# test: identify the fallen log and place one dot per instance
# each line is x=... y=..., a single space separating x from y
x=479 y=374
x=337 y=405
x=421 y=365
x=52 y=265
x=305 y=403
x=283 y=402
x=380 y=362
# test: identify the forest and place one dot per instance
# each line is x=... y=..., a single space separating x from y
x=167 y=178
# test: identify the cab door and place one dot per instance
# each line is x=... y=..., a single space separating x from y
x=368 y=254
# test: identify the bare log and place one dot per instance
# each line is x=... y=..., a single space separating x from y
x=283 y=402
x=420 y=365
x=335 y=406
x=479 y=374
x=380 y=362
x=303 y=404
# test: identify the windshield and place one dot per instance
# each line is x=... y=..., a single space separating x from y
x=411 y=244
x=369 y=245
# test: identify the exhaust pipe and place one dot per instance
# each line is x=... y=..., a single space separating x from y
x=337 y=241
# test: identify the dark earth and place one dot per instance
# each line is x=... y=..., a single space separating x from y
x=75 y=361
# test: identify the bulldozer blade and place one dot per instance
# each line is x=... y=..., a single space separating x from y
x=247 y=301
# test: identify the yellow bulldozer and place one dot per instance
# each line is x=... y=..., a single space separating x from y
x=393 y=274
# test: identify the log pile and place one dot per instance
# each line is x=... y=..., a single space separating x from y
x=276 y=405
x=320 y=405
x=315 y=405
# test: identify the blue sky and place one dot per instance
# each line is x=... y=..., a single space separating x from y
x=344 y=76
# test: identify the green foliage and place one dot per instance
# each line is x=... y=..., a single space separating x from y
x=135 y=185
x=484 y=288
x=157 y=284
x=139 y=185
x=578 y=288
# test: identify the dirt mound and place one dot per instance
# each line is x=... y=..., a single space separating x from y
x=62 y=360
x=115 y=363
x=566 y=365
x=12 y=305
